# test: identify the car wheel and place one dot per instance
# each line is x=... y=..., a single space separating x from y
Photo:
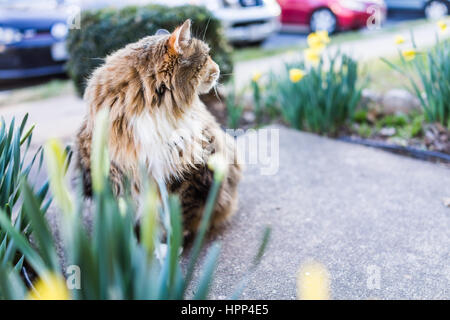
x=436 y=9
x=323 y=20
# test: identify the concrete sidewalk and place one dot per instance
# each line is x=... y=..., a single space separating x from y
x=352 y=208
x=58 y=117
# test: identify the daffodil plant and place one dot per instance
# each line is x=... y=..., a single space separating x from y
x=16 y=163
x=318 y=93
x=318 y=96
x=428 y=73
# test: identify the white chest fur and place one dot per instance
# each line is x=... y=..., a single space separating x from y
x=167 y=148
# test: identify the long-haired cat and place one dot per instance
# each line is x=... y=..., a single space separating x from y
x=151 y=89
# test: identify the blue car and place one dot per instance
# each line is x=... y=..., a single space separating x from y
x=32 y=38
x=433 y=9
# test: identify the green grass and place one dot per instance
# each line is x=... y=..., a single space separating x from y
x=382 y=78
x=253 y=53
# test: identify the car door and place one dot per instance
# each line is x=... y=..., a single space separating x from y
x=295 y=11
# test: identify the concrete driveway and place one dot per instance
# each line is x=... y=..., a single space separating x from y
x=375 y=220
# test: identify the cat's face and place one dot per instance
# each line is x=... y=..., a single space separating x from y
x=185 y=67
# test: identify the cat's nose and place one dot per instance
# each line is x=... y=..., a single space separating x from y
x=215 y=75
x=215 y=72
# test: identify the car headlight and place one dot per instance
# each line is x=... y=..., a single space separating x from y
x=9 y=35
x=59 y=30
x=356 y=5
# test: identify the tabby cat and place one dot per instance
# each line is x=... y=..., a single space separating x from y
x=151 y=89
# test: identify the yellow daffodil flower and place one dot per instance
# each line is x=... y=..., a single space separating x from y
x=296 y=75
x=323 y=36
x=409 y=54
x=399 y=40
x=256 y=76
x=313 y=282
x=315 y=42
x=50 y=287
x=442 y=25
x=312 y=56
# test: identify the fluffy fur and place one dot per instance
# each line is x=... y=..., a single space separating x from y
x=157 y=120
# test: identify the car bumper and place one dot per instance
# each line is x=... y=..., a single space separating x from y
x=250 y=24
x=32 y=58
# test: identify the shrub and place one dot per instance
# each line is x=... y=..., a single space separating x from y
x=104 y=31
x=429 y=75
x=321 y=97
x=15 y=167
x=113 y=263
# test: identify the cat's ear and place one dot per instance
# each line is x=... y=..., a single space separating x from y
x=180 y=37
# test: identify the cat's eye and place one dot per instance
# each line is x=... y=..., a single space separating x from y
x=160 y=92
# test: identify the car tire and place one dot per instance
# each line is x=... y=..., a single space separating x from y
x=323 y=19
x=436 y=9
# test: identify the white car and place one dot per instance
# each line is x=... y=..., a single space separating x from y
x=243 y=20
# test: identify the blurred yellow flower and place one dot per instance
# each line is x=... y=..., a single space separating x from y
x=296 y=75
x=312 y=56
x=55 y=157
x=313 y=282
x=442 y=25
x=409 y=54
x=399 y=39
x=256 y=76
x=323 y=36
x=50 y=287
x=315 y=42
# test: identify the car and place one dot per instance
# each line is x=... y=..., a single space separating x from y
x=31 y=39
x=433 y=9
x=331 y=15
x=244 y=21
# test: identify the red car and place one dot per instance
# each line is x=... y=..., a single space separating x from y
x=332 y=15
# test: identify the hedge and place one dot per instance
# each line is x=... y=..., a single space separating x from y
x=104 y=31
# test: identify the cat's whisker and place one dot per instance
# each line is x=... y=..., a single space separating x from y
x=98 y=58
x=217 y=94
x=206 y=29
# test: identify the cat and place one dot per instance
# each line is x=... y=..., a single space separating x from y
x=151 y=89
